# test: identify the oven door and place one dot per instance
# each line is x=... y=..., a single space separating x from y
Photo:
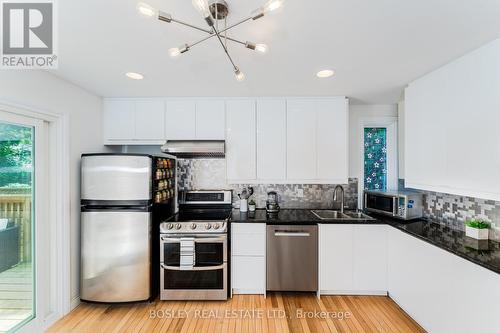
x=208 y=277
x=380 y=203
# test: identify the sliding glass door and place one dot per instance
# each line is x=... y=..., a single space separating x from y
x=18 y=220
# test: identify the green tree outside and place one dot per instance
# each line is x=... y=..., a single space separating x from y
x=16 y=156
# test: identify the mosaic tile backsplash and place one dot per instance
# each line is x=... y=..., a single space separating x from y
x=454 y=210
x=375 y=157
x=202 y=174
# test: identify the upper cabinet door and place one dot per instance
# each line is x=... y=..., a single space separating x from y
x=180 y=117
x=271 y=139
x=150 y=120
x=331 y=139
x=119 y=120
x=301 y=139
x=210 y=120
x=240 y=140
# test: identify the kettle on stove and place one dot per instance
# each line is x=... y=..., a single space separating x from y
x=272 y=202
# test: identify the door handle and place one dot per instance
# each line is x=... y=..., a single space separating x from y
x=220 y=239
x=291 y=234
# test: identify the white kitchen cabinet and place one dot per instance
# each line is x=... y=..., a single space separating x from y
x=451 y=127
x=150 y=120
x=301 y=139
x=249 y=275
x=332 y=140
x=441 y=291
x=335 y=258
x=119 y=120
x=271 y=139
x=370 y=259
x=317 y=140
x=240 y=140
x=180 y=120
x=131 y=121
x=353 y=259
x=248 y=258
x=210 y=120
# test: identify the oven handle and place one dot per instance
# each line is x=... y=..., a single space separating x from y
x=204 y=268
x=196 y=239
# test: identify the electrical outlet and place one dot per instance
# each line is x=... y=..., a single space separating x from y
x=300 y=193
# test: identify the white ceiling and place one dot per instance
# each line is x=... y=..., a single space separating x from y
x=376 y=47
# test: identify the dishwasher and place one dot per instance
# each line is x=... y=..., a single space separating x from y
x=292 y=257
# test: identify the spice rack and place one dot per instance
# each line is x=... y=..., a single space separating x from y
x=164 y=180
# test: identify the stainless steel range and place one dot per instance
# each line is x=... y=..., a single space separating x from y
x=193 y=248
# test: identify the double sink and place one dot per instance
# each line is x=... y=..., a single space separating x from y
x=335 y=215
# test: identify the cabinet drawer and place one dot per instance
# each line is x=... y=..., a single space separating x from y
x=248 y=275
x=248 y=239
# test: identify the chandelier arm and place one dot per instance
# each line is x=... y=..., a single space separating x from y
x=191 y=26
x=225 y=49
x=213 y=34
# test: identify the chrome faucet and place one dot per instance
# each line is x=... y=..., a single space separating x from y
x=341 y=197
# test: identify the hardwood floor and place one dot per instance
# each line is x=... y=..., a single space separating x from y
x=244 y=313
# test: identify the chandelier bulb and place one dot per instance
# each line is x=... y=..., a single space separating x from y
x=145 y=9
x=239 y=75
x=174 y=52
x=202 y=7
x=272 y=5
x=262 y=48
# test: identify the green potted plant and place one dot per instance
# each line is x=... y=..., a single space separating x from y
x=477 y=229
x=251 y=205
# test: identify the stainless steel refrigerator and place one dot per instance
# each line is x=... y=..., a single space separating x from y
x=124 y=198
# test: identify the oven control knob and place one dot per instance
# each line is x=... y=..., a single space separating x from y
x=170 y=226
x=177 y=226
x=208 y=226
x=193 y=226
x=216 y=226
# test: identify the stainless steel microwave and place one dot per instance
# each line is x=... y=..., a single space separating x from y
x=402 y=205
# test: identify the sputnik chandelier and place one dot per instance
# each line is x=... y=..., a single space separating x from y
x=215 y=13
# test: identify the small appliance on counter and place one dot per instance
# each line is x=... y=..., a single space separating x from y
x=405 y=205
x=272 y=206
x=124 y=197
x=245 y=194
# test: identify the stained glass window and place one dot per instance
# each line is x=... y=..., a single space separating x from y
x=375 y=156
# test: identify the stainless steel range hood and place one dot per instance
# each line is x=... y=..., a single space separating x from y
x=195 y=148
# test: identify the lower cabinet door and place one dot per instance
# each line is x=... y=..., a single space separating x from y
x=248 y=275
x=370 y=259
x=335 y=258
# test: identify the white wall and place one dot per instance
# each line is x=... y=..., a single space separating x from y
x=44 y=91
x=356 y=114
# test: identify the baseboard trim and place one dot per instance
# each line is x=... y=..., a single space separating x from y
x=354 y=292
x=74 y=303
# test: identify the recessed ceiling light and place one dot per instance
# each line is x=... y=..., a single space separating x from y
x=134 y=76
x=325 y=73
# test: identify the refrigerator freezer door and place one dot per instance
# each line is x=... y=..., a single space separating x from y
x=115 y=258
x=116 y=178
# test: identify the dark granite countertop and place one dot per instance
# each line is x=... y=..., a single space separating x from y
x=483 y=253
x=288 y=216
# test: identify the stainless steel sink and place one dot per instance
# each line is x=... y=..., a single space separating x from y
x=329 y=214
x=359 y=216
x=335 y=215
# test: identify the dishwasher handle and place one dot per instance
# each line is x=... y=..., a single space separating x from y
x=291 y=233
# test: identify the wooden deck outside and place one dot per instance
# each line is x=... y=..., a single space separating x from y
x=244 y=313
x=16 y=300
